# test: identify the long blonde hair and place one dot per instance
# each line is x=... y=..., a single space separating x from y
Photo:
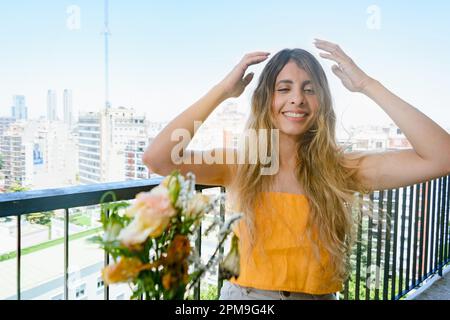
x=331 y=184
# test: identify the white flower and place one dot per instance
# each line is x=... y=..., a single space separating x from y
x=197 y=205
x=230 y=266
x=112 y=231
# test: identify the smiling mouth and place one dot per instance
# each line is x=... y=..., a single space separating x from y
x=295 y=115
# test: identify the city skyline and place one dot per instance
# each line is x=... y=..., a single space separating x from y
x=162 y=58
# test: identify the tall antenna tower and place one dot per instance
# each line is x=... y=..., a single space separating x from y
x=106 y=35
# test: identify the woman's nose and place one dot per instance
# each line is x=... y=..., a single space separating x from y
x=297 y=98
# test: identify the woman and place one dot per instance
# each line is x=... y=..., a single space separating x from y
x=298 y=224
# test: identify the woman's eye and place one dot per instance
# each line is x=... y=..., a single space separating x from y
x=309 y=91
x=283 y=89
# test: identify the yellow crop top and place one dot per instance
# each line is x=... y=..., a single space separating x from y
x=286 y=261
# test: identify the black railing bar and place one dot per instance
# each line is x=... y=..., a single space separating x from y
x=394 y=257
x=106 y=263
x=410 y=222
x=402 y=238
x=221 y=249
x=439 y=226
x=380 y=217
x=198 y=248
x=442 y=219
x=416 y=235
x=19 y=254
x=369 y=246
x=433 y=220
x=447 y=239
x=438 y=215
x=346 y=288
x=387 y=245
x=66 y=254
x=422 y=230
x=358 y=249
x=427 y=229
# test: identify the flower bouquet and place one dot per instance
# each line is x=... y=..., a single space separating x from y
x=150 y=241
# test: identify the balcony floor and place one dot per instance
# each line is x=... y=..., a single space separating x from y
x=440 y=290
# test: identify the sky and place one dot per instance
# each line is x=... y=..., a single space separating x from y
x=164 y=55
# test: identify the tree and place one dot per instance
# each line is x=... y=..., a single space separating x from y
x=42 y=218
x=16 y=187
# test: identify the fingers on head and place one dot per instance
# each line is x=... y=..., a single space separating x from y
x=248 y=77
x=258 y=56
x=336 y=70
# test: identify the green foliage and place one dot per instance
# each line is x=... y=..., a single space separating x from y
x=16 y=187
x=42 y=218
x=80 y=219
x=207 y=292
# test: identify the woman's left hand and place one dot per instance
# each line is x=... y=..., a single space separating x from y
x=352 y=77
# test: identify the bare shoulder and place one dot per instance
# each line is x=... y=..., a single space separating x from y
x=393 y=168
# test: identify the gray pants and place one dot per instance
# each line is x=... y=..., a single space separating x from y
x=232 y=291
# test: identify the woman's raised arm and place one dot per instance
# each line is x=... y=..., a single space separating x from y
x=430 y=156
x=167 y=152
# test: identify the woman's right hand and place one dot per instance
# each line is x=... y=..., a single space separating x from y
x=235 y=82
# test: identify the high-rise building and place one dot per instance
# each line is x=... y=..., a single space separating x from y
x=89 y=148
x=5 y=122
x=38 y=154
x=120 y=126
x=134 y=151
x=103 y=140
x=68 y=107
x=55 y=156
x=17 y=156
x=51 y=105
x=19 y=109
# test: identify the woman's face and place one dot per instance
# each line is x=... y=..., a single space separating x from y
x=294 y=104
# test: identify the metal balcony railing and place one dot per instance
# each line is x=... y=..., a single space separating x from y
x=404 y=240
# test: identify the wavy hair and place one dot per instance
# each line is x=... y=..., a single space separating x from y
x=330 y=183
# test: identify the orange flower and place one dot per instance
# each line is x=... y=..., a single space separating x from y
x=175 y=275
x=175 y=263
x=167 y=281
x=178 y=250
x=125 y=270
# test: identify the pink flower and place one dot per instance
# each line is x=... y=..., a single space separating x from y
x=151 y=212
